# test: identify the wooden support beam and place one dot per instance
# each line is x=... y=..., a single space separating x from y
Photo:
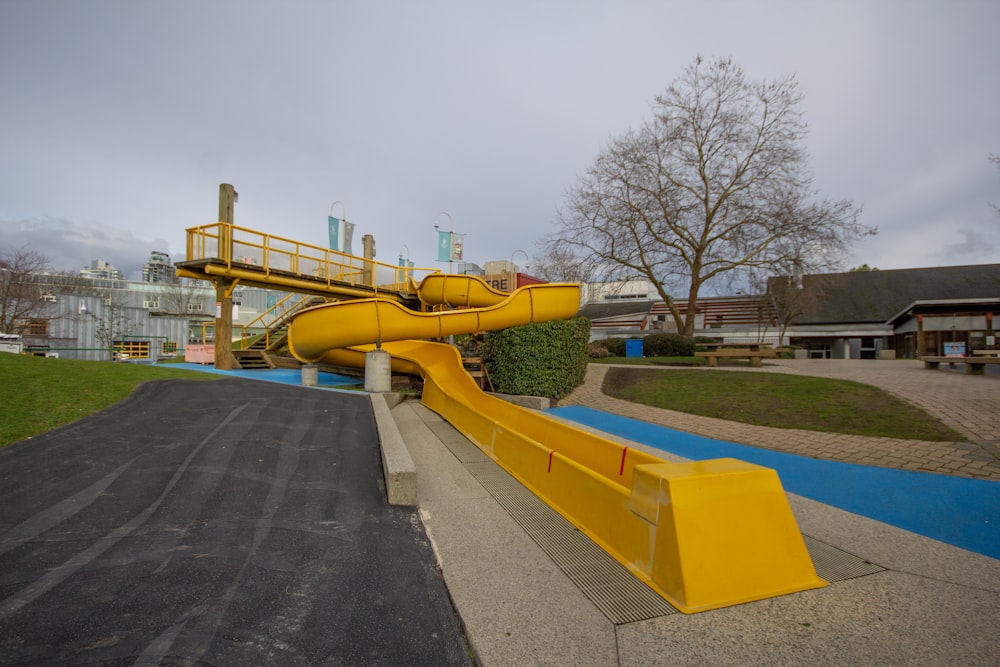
x=224 y=286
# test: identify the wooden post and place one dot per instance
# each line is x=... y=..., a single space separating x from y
x=224 y=286
x=224 y=324
x=227 y=203
x=368 y=273
x=921 y=339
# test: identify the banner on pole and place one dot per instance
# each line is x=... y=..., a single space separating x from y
x=450 y=246
x=348 y=237
x=444 y=246
x=333 y=225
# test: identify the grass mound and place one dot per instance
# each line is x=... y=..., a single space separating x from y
x=781 y=401
x=39 y=394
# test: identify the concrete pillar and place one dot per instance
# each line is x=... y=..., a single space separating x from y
x=378 y=371
x=310 y=375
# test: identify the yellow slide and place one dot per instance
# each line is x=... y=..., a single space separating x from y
x=704 y=535
x=336 y=325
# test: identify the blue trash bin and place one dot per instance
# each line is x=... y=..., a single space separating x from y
x=633 y=348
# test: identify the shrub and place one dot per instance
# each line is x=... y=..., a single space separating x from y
x=667 y=345
x=614 y=346
x=597 y=351
x=547 y=359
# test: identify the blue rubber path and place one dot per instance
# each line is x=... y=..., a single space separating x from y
x=956 y=510
x=280 y=375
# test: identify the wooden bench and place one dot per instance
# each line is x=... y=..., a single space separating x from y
x=737 y=353
x=986 y=353
x=973 y=365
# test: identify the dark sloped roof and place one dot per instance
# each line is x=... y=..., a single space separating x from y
x=876 y=296
x=596 y=311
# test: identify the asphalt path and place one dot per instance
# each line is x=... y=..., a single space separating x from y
x=230 y=522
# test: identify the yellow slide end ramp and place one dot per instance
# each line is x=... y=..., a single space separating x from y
x=725 y=533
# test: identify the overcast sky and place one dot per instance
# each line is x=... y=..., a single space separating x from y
x=121 y=118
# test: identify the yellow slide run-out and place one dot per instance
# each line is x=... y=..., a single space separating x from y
x=704 y=534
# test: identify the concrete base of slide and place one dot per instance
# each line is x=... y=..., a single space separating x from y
x=378 y=371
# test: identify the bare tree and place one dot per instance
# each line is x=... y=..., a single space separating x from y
x=182 y=298
x=557 y=263
x=716 y=182
x=113 y=323
x=22 y=298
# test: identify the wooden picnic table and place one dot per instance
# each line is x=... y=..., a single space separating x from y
x=974 y=365
x=754 y=352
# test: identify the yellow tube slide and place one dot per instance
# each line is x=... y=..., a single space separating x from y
x=335 y=325
x=704 y=535
x=442 y=289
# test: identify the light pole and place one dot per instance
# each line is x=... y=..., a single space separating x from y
x=511 y=262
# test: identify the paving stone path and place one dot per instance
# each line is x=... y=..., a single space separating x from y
x=970 y=404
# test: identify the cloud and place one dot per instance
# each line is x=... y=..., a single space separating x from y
x=70 y=246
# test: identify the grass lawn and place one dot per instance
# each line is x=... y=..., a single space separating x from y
x=779 y=400
x=39 y=394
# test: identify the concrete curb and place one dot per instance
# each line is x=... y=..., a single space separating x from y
x=531 y=402
x=397 y=465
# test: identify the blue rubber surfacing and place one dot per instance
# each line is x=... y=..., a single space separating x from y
x=959 y=511
x=280 y=375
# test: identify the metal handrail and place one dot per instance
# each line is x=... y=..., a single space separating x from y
x=269 y=253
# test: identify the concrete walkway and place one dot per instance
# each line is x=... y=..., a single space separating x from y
x=970 y=404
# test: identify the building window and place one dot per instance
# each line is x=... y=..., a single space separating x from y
x=150 y=302
x=195 y=307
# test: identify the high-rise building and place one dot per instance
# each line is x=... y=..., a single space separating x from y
x=159 y=269
x=100 y=269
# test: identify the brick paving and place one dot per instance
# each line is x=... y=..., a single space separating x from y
x=970 y=404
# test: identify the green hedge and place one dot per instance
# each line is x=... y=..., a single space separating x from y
x=654 y=345
x=547 y=359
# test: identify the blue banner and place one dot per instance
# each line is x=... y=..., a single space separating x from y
x=444 y=247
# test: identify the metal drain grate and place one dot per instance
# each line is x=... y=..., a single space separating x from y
x=615 y=591
x=835 y=565
x=464 y=450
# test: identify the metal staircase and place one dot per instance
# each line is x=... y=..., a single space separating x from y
x=263 y=351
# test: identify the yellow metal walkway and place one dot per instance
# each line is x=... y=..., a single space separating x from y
x=223 y=250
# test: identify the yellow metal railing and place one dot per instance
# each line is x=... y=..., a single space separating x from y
x=275 y=317
x=240 y=340
x=269 y=254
